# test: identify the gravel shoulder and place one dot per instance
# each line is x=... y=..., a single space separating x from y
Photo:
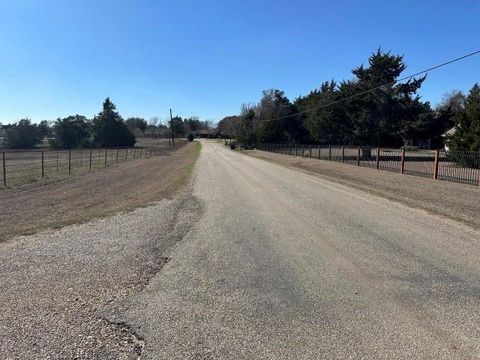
x=62 y=290
x=455 y=201
x=78 y=199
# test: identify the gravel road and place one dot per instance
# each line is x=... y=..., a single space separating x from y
x=272 y=264
x=284 y=265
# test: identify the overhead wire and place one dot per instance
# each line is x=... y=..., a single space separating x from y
x=408 y=77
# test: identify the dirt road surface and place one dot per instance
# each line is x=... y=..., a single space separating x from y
x=268 y=263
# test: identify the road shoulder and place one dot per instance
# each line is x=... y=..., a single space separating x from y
x=454 y=201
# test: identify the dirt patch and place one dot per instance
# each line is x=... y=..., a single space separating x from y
x=78 y=199
x=455 y=201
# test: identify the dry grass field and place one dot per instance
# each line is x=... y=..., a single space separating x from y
x=53 y=204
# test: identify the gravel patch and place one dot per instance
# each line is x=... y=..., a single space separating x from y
x=62 y=291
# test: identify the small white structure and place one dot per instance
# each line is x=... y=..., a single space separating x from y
x=446 y=135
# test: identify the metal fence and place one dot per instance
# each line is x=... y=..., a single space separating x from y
x=456 y=166
x=19 y=167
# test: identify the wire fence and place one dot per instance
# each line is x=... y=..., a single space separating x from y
x=19 y=167
x=455 y=166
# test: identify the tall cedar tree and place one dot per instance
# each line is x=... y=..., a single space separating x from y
x=109 y=130
x=467 y=123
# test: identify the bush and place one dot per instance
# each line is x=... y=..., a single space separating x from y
x=23 y=135
x=233 y=145
x=190 y=137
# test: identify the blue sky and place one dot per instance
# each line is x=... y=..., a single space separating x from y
x=206 y=58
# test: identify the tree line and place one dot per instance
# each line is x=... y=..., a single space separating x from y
x=106 y=129
x=349 y=112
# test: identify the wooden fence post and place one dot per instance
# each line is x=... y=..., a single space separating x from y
x=435 y=168
x=402 y=161
x=377 y=165
x=81 y=158
x=296 y=152
x=303 y=150
x=319 y=151
x=126 y=154
x=43 y=167
x=90 y=159
x=106 y=153
x=116 y=158
x=69 y=161
x=343 y=154
x=4 y=170
x=57 y=160
x=358 y=156
x=329 y=152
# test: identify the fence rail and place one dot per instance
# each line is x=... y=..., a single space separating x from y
x=455 y=166
x=19 y=167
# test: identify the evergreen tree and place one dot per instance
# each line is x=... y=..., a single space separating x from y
x=23 y=135
x=467 y=124
x=246 y=132
x=109 y=130
x=391 y=115
x=71 y=132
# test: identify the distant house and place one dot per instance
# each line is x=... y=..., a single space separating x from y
x=204 y=133
x=446 y=135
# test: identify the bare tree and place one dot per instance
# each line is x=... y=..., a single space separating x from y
x=453 y=100
x=152 y=124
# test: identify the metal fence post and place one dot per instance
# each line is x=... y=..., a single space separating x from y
x=126 y=154
x=377 y=165
x=329 y=152
x=57 y=160
x=43 y=167
x=343 y=154
x=319 y=151
x=435 y=168
x=90 y=159
x=358 y=156
x=4 y=170
x=116 y=158
x=402 y=161
x=81 y=158
x=69 y=162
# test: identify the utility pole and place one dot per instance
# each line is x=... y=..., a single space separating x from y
x=171 y=129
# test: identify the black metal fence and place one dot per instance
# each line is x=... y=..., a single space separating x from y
x=22 y=167
x=456 y=166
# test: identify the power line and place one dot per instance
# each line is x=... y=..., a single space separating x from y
x=376 y=88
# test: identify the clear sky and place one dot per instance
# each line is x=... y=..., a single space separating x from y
x=206 y=58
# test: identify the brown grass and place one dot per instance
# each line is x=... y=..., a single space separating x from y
x=77 y=199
